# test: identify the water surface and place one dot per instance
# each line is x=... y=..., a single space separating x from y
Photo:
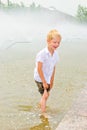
x=19 y=96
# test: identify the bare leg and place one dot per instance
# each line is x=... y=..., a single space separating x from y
x=43 y=100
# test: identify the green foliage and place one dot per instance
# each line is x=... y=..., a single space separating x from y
x=1 y=4
x=22 y=4
x=8 y=2
x=12 y=5
x=9 y=5
x=32 y=6
x=82 y=13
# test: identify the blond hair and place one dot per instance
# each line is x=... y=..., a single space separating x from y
x=53 y=33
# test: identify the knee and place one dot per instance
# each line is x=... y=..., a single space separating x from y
x=46 y=96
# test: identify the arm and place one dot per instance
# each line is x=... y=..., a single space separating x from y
x=40 y=64
x=52 y=78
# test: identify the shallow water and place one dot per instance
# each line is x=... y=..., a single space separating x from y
x=18 y=93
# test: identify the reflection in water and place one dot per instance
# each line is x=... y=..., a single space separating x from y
x=25 y=107
x=44 y=125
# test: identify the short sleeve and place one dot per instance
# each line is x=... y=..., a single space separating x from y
x=40 y=57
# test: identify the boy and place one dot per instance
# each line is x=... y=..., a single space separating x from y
x=44 y=71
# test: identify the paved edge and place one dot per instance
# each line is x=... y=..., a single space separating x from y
x=76 y=117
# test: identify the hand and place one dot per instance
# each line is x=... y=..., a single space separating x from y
x=45 y=85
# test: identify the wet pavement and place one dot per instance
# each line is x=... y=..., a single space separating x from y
x=76 y=118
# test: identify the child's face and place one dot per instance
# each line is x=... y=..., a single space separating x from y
x=54 y=43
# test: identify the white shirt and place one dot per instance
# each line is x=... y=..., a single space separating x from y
x=49 y=61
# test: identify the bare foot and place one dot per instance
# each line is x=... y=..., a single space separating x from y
x=45 y=114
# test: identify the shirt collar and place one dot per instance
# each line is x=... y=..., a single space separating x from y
x=47 y=51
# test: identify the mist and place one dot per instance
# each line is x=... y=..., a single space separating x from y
x=31 y=27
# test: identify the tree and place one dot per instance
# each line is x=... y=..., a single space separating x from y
x=33 y=6
x=8 y=2
x=82 y=13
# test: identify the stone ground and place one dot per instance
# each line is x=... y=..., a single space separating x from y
x=76 y=118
